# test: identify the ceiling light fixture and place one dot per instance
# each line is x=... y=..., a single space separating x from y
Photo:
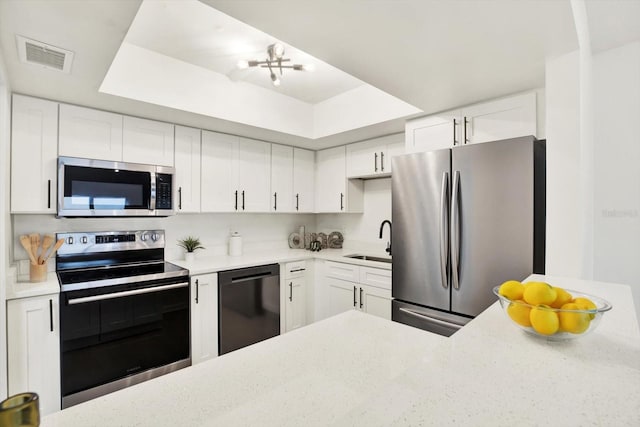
x=273 y=62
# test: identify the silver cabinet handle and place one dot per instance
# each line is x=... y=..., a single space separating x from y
x=455 y=230
x=341 y=201
x=51 y=315
x=49 y=196
x=242 y=199
x=354 y=295
x=180 y=198
x=382 y=161
x=444 y=226
x=127 y=293
x=297 y=201
x=275 y=201
x=236 y=205
x=431 y=319
x=375 y=162
x=197 y=291
x=290 y=291
x=360 y=298
x=466 y=121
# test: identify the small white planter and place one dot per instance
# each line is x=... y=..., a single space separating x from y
x=189 y=256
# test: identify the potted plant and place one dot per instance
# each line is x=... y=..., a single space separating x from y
x=190 y=244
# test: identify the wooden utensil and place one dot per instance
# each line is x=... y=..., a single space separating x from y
x=35 y=242
x=26 y=244
x=47 y=241
x=53 y=251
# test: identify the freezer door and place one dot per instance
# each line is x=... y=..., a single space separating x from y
x=491 y=220
x=420 y=200
x=427 y=319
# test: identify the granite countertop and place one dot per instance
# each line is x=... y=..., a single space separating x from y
x=357 y=369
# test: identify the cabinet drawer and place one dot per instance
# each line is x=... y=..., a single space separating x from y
x=341 y=271
x=375 y=277
x=295 y=269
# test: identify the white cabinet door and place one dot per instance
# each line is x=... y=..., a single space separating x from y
x=89 y=133
x=187 y=164
x=204 y=317
x=334 y=192
x=391 y=150
x=363 y=158
x=341 y=296
x=433 y=132
x=147 y=141
x=295 y=303
x=377 y=277
x=281 y=178
x=375 y=301
x=219 y=172
x=254 y=175
x=501 y=119
x=34 y=153
x=33 y=347
x=303 y=180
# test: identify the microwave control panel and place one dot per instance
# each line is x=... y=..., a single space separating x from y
x=163 y=191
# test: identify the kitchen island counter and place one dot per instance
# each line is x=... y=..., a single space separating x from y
x=357 y=369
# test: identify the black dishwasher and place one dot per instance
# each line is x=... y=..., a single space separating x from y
x=249 y=306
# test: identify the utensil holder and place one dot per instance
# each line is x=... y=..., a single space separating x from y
x=20 y=410
x=37 y=272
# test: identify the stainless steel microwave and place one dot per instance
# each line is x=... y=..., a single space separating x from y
x=101 y=188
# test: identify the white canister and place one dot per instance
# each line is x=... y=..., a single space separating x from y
x=235 y=244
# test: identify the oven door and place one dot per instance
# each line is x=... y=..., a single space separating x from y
x=102 y=188
x=117 y=336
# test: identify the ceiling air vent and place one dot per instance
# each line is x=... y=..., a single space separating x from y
x=35 y=52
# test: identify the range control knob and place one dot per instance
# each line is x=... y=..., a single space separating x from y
x=84 y=240
x=69 y=240
x=143 y=237
x=155 y=236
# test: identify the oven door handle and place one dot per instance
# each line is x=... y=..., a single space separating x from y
x=93 y=298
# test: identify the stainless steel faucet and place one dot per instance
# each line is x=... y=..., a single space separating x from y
x=386 y=221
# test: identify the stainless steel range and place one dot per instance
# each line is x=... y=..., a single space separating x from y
x=124 y=312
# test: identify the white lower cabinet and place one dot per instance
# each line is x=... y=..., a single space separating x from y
x=294 y=287
x=204 y=317
x=33 y=349
x=349 y=286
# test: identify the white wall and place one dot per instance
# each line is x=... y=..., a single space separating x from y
x=259 y=231
x=564 y=206
x=616 y=76
x=360 y=231
x=5 y=101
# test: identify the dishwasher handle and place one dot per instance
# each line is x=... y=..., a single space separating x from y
x=248 y=278
x=248 y=274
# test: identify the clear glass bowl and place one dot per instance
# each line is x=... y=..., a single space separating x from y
x=595 y=315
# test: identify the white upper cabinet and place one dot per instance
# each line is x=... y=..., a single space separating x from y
x=219 y=172
x=34 y=151
x=236 y=174
x=488 y=121
x=501 y=119
x=303 y=180
x=147 y=141
x=334 y=193
x=282 y=178
x=187 y=164
x=372 y=158
x=254 y=175
x=89 y=133
x=432 y=132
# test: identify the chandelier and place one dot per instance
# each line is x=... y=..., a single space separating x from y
x=274 y=61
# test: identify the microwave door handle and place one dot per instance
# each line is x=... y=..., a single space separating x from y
x=152 y=198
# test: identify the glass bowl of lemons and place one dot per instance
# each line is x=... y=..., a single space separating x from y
x=550 y=312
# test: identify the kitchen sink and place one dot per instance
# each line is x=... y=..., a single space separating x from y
x=369 y=258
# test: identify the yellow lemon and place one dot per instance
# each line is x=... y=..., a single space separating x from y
x=544 y=320
x=536 y=293
x=562 y=297
x=576 y=323
x=519 y=312
x=511 y=289
x=585 y=304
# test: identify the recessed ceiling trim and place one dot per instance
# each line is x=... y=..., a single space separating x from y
x=44 y=55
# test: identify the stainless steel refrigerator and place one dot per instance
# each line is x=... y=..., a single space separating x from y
x=464 y=220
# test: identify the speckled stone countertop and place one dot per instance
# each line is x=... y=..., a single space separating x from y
x=356 y=369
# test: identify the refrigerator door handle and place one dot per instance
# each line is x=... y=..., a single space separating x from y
x=444 y=226
x=431 y=319
x=455 y=231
